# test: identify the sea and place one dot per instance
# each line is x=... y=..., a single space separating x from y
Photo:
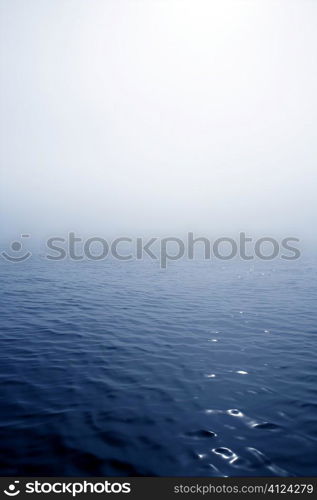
x=116 y=368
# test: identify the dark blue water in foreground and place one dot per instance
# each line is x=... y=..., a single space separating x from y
x=120 y=368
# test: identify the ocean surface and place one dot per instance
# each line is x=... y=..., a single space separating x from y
x=121 y=368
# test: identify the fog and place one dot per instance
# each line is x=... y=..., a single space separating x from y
x=153 y=117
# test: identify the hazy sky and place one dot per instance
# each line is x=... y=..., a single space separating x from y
x=147 y=116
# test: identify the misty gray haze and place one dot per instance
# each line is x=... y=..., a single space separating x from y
x=158 y=116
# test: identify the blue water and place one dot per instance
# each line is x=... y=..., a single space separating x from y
x=121 y=368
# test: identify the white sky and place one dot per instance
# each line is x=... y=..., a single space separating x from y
x=158 y=116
